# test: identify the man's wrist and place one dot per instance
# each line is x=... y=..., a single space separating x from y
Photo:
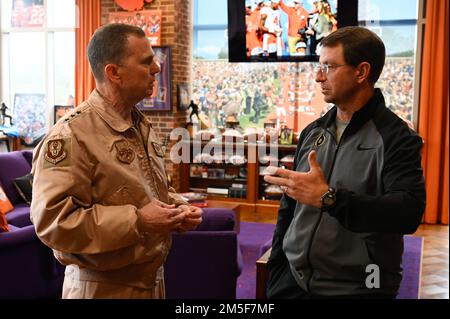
x=140 y=225
x=328 y=199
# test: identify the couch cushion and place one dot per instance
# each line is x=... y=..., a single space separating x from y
x=12 y=165
x=13 y=228
x=24 y=185
x=217 y=219
x=20 y=215
x=5 y=204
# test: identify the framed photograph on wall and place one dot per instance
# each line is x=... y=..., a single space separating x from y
x=148 y=20
x=161 y=99
x=59 y=111
x=183 y=97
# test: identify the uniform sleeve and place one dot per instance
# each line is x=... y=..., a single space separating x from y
x=400 y=208
x=62 y=210
x=176 y=198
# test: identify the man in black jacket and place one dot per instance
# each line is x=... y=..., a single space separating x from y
x=356 y=189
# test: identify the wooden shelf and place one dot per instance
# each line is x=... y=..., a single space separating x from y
x=252 y=208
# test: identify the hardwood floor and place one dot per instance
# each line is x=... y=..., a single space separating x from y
x=434 y=281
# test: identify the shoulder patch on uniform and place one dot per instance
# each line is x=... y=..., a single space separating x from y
x=57 y=152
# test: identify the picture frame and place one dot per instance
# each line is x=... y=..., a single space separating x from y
x=161 y=99
x=148 y=20
x=183 y=96
x=59 y=111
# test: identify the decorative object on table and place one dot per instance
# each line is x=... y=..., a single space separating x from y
x=286 y=134
x=161 y=97
x=273 y=192
x=148 y=20
x=59 y=111
x=4 y=116
x=195 y=171
x=182 y=96
x=30 y=117
x=270 y=132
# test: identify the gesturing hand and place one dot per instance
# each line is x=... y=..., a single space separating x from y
x=307 y=188
x=159 y=217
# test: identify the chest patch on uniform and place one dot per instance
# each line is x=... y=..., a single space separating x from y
x=320 y=141
x=125 y=153
x=56 y=151
x=158 y=149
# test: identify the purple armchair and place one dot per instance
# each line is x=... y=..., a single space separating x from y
x=205 y=263
x=28 y=267
x=13 y=165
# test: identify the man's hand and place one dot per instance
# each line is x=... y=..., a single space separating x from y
x=307 y=188
x=192 y=218
x=159 y=217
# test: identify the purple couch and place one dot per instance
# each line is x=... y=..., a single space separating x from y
x=205 y=263
x=28 y=267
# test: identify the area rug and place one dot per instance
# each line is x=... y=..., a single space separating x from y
x=253 y=235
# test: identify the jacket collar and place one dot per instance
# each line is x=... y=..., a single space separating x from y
x=359 y=118
x=111 y=117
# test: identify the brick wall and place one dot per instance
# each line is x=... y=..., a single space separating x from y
x=176 y=33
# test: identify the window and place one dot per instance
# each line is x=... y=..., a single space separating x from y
x=38 y=60
x=398 y=24
x=287 y=92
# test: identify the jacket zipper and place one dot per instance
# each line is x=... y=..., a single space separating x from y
x=321 y=213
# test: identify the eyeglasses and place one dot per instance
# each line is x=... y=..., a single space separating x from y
x=324 y=69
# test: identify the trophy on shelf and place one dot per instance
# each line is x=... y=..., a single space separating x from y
x=4 y=116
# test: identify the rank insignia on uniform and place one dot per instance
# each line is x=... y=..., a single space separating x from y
x=320 y=141
x=158 y=149
x=125 y=152
x=55 y=151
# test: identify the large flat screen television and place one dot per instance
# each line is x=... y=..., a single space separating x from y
x=284 y=30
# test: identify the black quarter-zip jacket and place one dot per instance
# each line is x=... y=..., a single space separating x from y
x=376 y=170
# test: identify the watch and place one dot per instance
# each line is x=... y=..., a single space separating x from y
x=328 y=199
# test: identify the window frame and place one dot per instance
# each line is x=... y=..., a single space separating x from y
x=419 y=23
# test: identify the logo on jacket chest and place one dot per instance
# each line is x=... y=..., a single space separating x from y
x=158 y=149
x=320 y=141
x=125 y=153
